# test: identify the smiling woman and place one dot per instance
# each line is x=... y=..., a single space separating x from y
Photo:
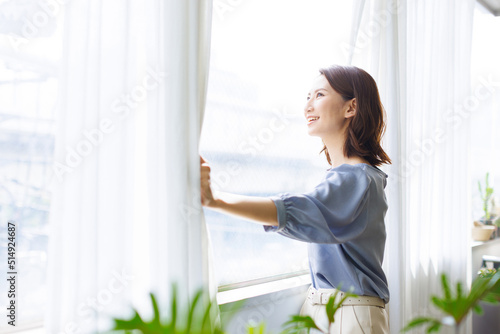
x=254 y=134
x=356 y=88
x=342 y=218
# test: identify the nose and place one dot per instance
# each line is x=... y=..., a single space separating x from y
x=307 y=108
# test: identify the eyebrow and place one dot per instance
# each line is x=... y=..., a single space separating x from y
x=317 y=90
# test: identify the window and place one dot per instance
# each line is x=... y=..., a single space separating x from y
x=485 y=110
x=29 y=50
x=254 y=134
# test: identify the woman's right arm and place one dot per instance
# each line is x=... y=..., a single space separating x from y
x=260 y=210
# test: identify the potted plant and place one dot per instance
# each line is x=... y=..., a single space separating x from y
x=456 y=305
x=199 y=318
x=486 y=225
x=482 y=232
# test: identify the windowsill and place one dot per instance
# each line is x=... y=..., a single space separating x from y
x=481 y=243
x=38 y=330
x=32 y=328
x=224 y=297
x=233 y=295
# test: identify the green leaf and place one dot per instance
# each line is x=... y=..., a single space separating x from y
x=459 y=291
x=486 y=287
x=420 y=321
x=134 y=323
x=446 y=287
x=156 y=320
x=196 y=321
x=301 y=321
x=491 y=298
x=206 y=317
x=191 y=311
x=330 y=307
x=173 y=310
x=434 y=327
x=257 y=330
x=262 y=328
x=478 y=309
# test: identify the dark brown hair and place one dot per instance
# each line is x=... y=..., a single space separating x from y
x=366 y=128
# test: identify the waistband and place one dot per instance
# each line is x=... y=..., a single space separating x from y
x=321 y=296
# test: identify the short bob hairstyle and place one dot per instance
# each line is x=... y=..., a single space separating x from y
x=366 y=128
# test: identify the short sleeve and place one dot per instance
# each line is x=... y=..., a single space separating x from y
x=331 y=213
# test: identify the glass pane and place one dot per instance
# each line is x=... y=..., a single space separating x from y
x=29 y=56
x=264 y=57
x=483 y=110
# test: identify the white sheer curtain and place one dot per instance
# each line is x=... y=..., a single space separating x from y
x=378 y=46
x=125 y=217
x=419 y=54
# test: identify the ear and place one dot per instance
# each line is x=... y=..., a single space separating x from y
x=351 y=108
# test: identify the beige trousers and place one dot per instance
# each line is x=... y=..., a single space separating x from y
x=357 y=319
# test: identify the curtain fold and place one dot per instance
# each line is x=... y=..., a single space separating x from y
x=436 y=166
x=173 y=141
x=358 y=7
x=378 y=45
x=125 y=215
x=419 y=55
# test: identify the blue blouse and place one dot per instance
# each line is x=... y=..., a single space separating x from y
x=342 y=219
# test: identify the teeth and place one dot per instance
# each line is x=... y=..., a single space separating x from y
x=312 y=119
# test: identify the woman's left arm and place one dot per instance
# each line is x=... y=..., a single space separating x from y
x=327 y=214
x=261 y=210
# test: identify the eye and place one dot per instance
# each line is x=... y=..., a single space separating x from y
x=307 y=98
x=320 y=94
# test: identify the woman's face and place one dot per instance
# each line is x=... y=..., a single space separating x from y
x=326 y=111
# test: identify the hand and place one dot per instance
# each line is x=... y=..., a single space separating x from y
x=207 y=198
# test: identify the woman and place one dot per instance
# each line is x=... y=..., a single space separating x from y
x=342 y=218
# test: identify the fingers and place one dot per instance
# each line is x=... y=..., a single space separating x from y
x=204 y=169
x=206 y=191
x=204 y=164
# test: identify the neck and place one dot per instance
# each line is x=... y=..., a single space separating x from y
x=335 y=147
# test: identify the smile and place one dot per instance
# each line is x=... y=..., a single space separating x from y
x=311 y=120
